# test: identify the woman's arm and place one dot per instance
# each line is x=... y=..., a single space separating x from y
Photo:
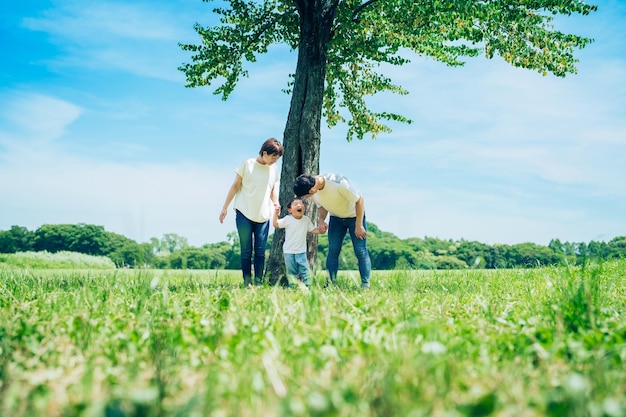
x=229 y=197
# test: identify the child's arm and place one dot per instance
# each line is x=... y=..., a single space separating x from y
x=275 y=218
x=317 y=230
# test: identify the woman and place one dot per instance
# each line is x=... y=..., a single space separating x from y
x=256 y=198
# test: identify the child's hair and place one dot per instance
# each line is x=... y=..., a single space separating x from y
x=303 y=185
x=292 y=201
x=272 y=147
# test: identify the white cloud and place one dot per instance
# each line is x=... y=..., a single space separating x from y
x=104 y=22
x=46 y=184
x=39 y=117
x=138 y=201
x=139 y=38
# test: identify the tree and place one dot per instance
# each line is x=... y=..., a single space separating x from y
x=341 y=42
x=158 y=246
x=16 y=239
x=115 y=242
x=475 y=254
x=388 y=251
x=617 y=247
x=84 y=238
x=531 y=255
x=132 y=254
x=172 y=242
x=449 y=262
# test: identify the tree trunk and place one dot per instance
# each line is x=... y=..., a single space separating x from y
x=302 y=132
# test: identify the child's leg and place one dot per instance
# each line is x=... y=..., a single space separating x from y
x=291 y=267
x=303 y=267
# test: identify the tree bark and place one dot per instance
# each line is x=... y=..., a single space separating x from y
x=302 y=135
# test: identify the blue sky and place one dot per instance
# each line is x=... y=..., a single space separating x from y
x=97 y=127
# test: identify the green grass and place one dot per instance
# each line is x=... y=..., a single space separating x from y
x=538 y=342
x=57 y=260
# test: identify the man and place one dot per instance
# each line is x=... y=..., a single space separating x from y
x=335 y=195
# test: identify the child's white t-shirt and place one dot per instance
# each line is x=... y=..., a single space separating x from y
x=295 y=233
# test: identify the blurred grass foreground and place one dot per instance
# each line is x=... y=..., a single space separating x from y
x=108 y=342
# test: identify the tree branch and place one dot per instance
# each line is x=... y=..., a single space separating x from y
x=355 y=15
x=254 y=37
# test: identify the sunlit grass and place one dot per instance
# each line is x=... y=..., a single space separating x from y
x=548 y=341
x=57 y=260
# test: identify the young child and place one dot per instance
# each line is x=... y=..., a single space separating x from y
x=296 y=226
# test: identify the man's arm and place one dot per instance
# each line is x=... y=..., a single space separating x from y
x=322 y=226
x=359 y=230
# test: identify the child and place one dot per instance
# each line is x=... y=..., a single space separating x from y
x=296 y=226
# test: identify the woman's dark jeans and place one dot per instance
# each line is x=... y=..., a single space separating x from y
x=337 y=228
x=252 y=234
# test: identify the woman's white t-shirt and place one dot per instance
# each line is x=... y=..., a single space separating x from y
x=253 y=198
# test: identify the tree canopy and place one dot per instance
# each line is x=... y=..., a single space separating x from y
x=364 y=34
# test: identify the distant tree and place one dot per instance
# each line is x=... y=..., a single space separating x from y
x=474 y=254
x=177 y=260
x=597 y=250
x=173 y=242
x=388 y=252
x=53 y=238
x=532 y=255
x=340 y=44
x=84 y=238
x=416 y=244
x=89 y=239
x=190 y=258
x=161 y=261
x=616 y=247
x=556 y=246
x=425 y=260
x=437 y=246
x=499 y=257
x=449 y=262
x=198 y=258
x=158 y=246
x=133 y=254
x=220 y=253
x=558 y=249
x=7 y=244
x=115 y=241
x=16 y=239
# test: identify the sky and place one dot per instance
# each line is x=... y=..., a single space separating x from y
x=97 y=127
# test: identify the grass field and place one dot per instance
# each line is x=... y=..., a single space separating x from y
x=114 y=343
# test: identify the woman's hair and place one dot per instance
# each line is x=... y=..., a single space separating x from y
x=272 y=147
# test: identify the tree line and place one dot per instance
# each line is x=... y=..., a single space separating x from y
x=387 y=251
